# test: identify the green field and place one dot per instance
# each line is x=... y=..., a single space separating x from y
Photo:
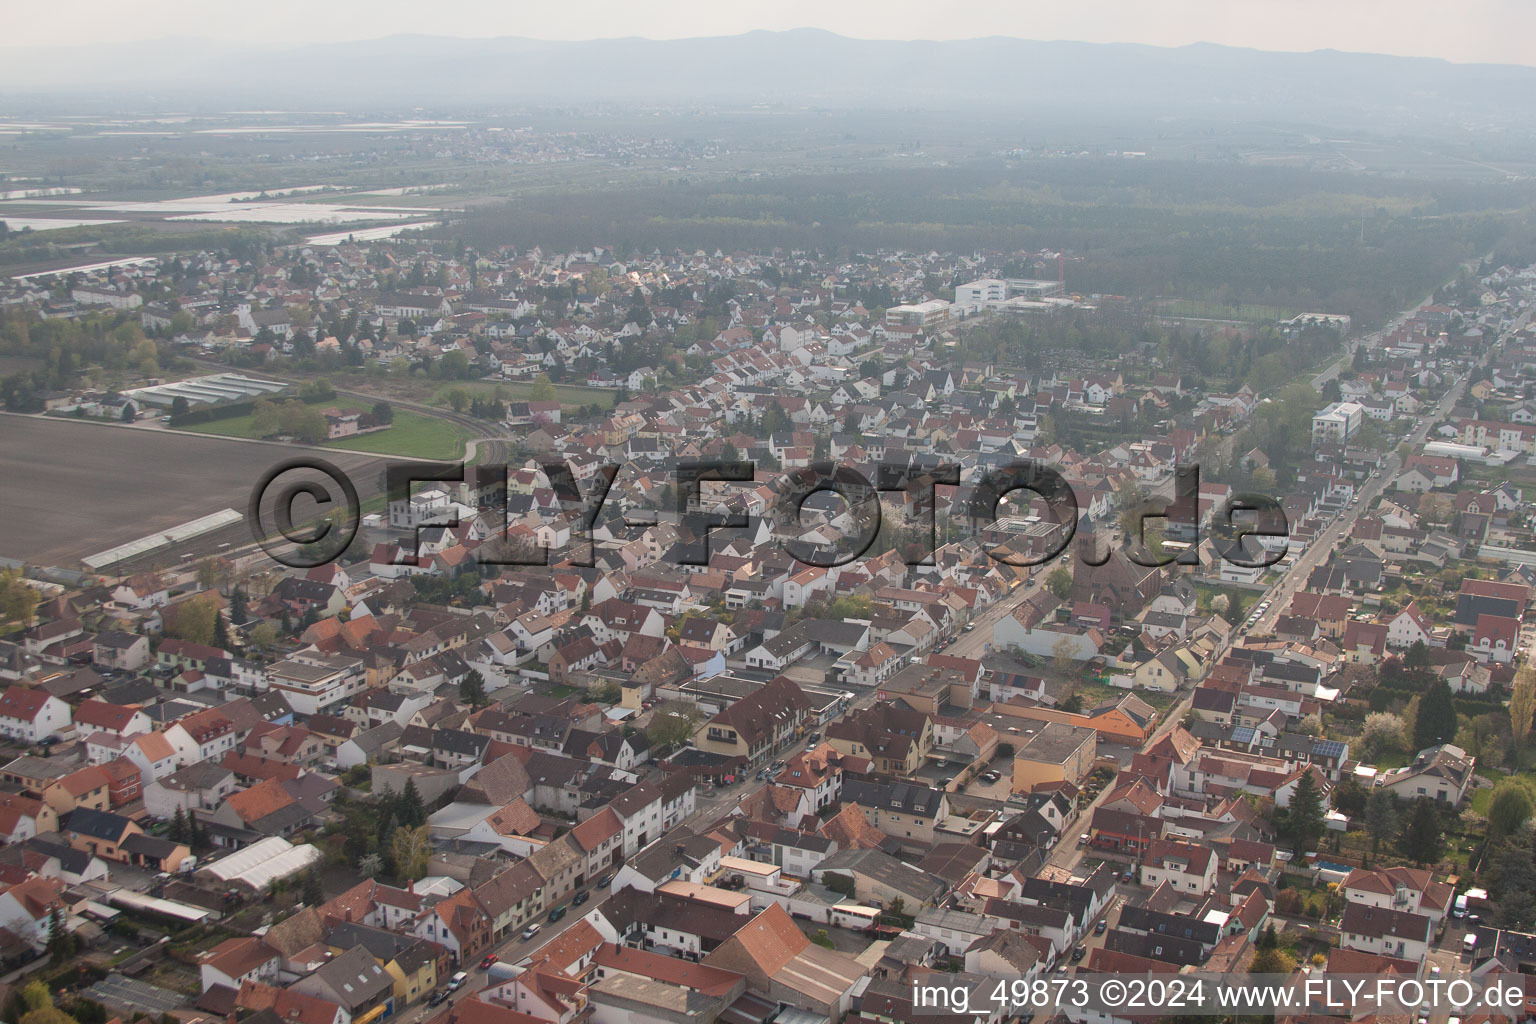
x=411 y=434
x=1247 y=312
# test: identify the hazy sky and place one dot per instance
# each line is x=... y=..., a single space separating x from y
x=1502 y=31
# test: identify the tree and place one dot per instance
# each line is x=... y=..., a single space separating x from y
x=60 y=942
x=472 y=690
x=1349 y=798
x=370 y=865
x=1509 y=809
x=313 y=893
x=454 y=366
x=1522 y=703
x=1512 y=882
x=263 y=635
x=1310 y=725
x=193 y=619
x=1272 y=961
x=1380 y=816
x=35 y=996
x=303 y=422
x=1059 y=582
x=1064 y=656
x=383 y=413
x=178 y=826
x=1073 y=704
x=543 y=389
x=1436 y=720
x=1423 y=836
x=1383 y=733
x=1434 y=509
x=179 y=406
x=409 y=808
x=671 y=726
x=412 y=849
x=1304 y=821
x=18 y=601
x=237 y=610
x=47 y=1015
x=264 y=418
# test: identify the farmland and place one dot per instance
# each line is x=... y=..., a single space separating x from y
x=85 y=487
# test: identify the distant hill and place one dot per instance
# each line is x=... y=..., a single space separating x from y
x=989 y=75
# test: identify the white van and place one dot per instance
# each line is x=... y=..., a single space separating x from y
x=1460 y=910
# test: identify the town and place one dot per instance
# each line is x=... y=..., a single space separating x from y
x=617 y=514
x=419 y=777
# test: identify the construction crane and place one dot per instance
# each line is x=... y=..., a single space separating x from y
x=1061 y=267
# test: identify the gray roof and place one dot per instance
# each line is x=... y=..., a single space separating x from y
x=355 y=977
x=1056 y=742
x=883 y=869
x=379 y=737
x=905 y=797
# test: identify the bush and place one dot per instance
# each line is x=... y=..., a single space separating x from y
x=838 y=883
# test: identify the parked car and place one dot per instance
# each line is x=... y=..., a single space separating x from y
x=487 y=960
x=605 y=881
x=438 y=998
x=530 y=931
x=580 y=898
x=556 y=914
x=1084 y=839
x=1101 y=926
x=1079 y=953
x=457 y=981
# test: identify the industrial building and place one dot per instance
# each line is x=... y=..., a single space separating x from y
x=215 y=389
x=1337 y=423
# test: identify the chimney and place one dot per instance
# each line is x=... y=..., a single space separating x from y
x=411 y=887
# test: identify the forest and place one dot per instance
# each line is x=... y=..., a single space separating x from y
x=1228 y=233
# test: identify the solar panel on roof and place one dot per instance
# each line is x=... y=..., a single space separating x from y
x=1328 y=748
x=1242 y=734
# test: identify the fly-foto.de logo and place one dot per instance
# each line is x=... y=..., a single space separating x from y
x=846 y=504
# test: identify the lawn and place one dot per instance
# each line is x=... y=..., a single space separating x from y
x=240 y=426
x=1252 y=312
x=411 y=434
x=1240 y=600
